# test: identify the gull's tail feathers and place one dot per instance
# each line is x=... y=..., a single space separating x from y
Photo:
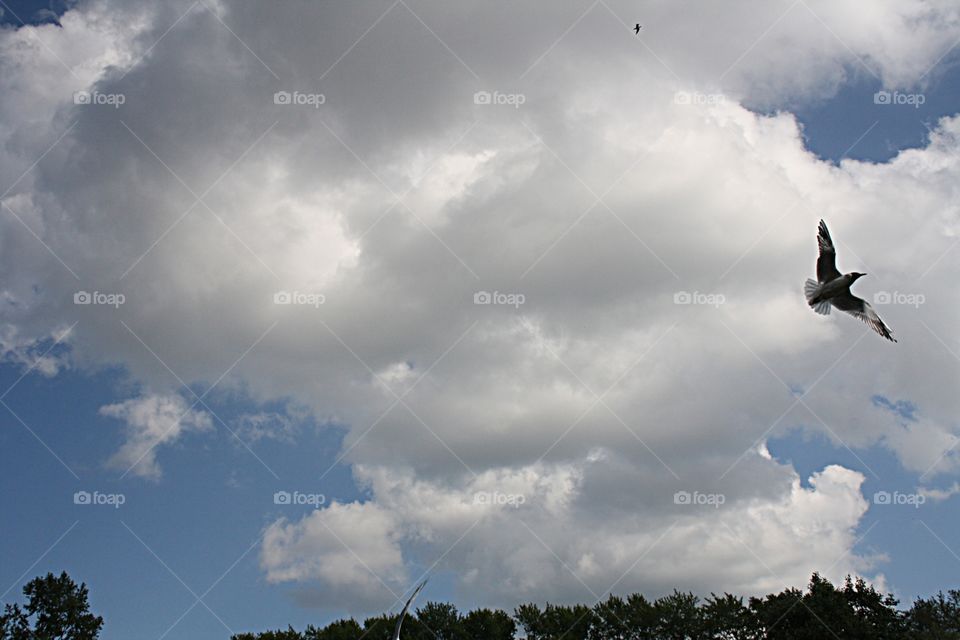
x=810 y=289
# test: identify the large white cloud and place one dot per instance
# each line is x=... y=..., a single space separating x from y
x=599 y=397
x=510 y=532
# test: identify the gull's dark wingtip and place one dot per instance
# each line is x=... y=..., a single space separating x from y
x=883 y=330
x=823 y=236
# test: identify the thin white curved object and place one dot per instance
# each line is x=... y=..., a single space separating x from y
x=396 y=632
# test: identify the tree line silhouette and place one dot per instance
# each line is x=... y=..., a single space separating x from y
x=57 y=608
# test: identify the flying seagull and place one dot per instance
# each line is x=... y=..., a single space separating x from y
x=833 y=289
x=396 y=632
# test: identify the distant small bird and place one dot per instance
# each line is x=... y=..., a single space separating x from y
x=396 y=632
x=637 y=28
x=833 y=289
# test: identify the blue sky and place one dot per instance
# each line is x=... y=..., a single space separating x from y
x=834 y=127
x=210 y=509
x=202 y=521
x=18 y=12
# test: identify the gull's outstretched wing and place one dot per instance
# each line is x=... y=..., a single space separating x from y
x=403 y=614
x=827 y=262
x=861 y=309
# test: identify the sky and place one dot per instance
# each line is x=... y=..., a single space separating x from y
x=304 y=301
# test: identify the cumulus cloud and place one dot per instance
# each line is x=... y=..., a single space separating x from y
x=508 y=532
x=150 y=421
x=660 y=246
x=352 y=550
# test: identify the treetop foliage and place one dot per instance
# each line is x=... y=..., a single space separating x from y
x=851 y=611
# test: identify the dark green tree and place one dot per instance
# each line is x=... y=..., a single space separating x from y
x=14 y=624
x=437 y=621
x=339 y=630
x=56 y=609
x=855 y=612
x=484 y=624
x=635 y=618
x=610 y=620
x=937 y=618
x=793 y=615
x=554 y=622
x=875 y=615
x=727 y=618
x=678 y=617
x=379 y=627
x=279 y=634
x=780 y=615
